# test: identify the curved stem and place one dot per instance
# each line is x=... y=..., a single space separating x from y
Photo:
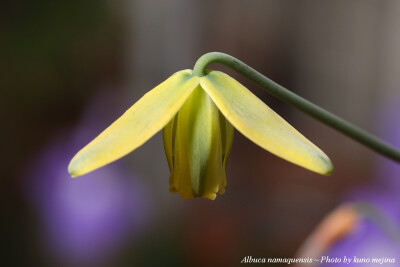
x=380 y=219
x=304 y=105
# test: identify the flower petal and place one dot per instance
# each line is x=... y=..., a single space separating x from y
x=138 y=124
x=168 y=141
x=262 y=125
x=227 y=140
x=169 y=133
x=198 y=162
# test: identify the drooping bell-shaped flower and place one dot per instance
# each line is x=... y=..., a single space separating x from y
x=197 y=142
x=197 y=115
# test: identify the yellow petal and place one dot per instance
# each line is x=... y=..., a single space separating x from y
x=138 y=124
x=169 y=133
x=197 y=156
x=262 y=125
x=227 y=140
x=168 y=141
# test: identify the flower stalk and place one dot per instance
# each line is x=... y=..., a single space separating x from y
x=298 y=102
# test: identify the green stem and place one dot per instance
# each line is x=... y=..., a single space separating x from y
x=304 y=105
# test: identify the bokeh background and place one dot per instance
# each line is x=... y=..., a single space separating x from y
x=70 y=68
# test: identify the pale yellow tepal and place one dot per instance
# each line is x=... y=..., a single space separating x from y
x=197 y=115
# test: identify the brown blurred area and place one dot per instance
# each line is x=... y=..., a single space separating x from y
x=56 y=55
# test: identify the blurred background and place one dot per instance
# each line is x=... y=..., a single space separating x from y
x=70 y=68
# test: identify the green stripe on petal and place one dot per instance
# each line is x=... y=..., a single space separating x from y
x=197 y=156
x=262 y=125
x=138 y=124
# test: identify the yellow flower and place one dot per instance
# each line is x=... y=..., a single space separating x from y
x=197 y=114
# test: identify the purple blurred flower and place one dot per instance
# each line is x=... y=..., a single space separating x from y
x=85 y=220
x=367 y=240
x=376 y=231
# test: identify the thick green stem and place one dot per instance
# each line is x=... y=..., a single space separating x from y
x=297 y=101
